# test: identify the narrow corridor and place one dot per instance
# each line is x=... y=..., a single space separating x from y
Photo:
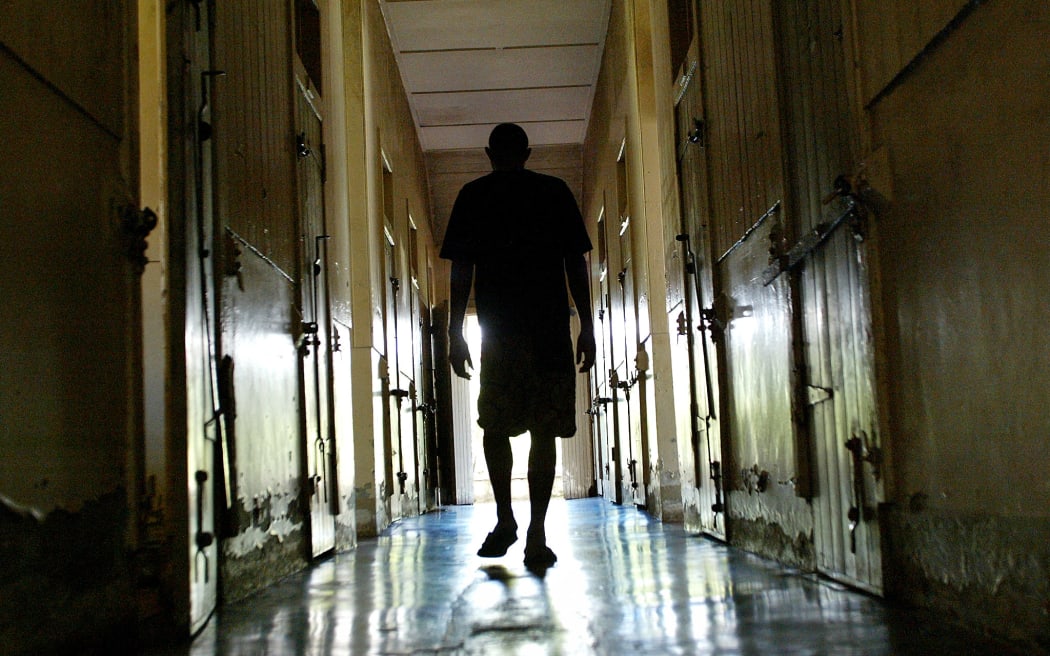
x=624 y=584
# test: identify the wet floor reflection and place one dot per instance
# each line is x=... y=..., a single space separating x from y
x=623 y=584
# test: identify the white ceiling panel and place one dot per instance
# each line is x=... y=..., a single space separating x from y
x=512 y=105
x=468 y=70
x=477 y=136
x=458 y=24
x=468 y=65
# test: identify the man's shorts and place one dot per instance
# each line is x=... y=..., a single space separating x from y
x=528 y=383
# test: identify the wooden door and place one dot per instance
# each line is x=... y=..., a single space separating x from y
x=408 y=362
x=611 y=315
x=424 y=404
x=603 y=412
x=626 y=382
x=442 y=410
x=72 y=242
x=625 y=345
x=754 y=323
x=315 y=341
x=694 y=246
x=191 y=164
x=836 y=307
x=397 y=385
x=407 y=397
x=631 y=421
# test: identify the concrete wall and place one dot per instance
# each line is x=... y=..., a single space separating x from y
x=259 y=323
x=69 y=468
x=943 y=114
x=380 y=127
x=965 y=278
x=632 y=108
x=954 y=97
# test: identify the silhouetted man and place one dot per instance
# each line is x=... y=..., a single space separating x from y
x=516 y=235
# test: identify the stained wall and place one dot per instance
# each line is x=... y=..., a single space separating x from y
x=964 y=277
x=69 y=469
x=388 y=185
x=629 y=191
x=938 y=349
x=257 y=210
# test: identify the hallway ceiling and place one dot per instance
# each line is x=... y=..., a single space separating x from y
x=470 y=64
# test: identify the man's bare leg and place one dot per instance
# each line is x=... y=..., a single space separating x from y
x=543 y=458
x=500 y=460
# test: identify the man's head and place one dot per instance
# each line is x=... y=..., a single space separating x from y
x=508 y=147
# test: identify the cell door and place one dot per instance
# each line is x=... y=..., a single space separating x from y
x=190 y=80
x=603 y=410
x=627 y=376
x=397 y=393
x=754 y=323
x=406 y=394
x=315 y=341
x=694 y=246
x=424 y=406
x=600 y=442
x=836 y=306
x=421 y=390
x=627 y=401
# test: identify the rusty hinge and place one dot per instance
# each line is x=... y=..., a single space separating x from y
x=698 y=135
x=135 y=226
x=302 y=147
x=816 y=394
x=324 y=163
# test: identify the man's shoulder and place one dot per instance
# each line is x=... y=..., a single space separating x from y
x=526 y=178
x=545 y=179
x=477 y=183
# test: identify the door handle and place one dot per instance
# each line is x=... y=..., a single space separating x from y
x=399 y=395
x=861 y=510
x=203 y=539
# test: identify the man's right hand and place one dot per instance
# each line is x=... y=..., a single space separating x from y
x=459 y=355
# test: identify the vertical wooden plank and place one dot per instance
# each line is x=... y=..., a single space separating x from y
x=836 y=318
x=895 y=32
x=463 y=415
x=577 y=462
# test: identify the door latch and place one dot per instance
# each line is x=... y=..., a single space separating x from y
x=135 y=226
x=302 y=148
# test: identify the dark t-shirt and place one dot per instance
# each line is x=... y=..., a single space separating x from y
x=517 y=228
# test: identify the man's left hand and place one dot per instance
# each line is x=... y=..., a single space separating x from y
x=585 y=350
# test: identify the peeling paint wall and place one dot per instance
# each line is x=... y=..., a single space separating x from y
x=743 y=131
x=965 y=273
x=67 y=580
x=379 y=123
x=955 y=93
x=69 y=414
x=257 y=207
x=632 y=108
x=66 y=418
x=269 y=544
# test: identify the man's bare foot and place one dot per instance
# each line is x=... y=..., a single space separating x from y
x=498 y=541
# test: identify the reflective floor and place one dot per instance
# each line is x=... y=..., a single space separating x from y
x=623 y=584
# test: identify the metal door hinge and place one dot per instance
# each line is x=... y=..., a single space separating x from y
x=135 y=226
x=815 y=394
x=302 y=148
x=698 y=135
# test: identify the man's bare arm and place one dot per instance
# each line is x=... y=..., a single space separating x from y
x=461 y=280
x=580 y=288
